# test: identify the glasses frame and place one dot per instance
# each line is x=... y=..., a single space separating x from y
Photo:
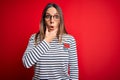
x=55 y=17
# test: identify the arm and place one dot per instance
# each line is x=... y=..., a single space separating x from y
x=33 y=53
x=73 y=62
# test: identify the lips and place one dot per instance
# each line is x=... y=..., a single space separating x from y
x=51 y=27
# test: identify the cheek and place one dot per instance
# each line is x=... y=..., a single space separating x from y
x=58 y=23
x=47 y=23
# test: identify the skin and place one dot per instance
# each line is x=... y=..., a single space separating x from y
x=51 y=25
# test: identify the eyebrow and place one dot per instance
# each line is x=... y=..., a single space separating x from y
x=50 y=14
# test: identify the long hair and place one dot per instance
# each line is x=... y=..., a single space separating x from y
x=40 y=35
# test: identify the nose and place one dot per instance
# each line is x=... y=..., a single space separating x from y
x=51 y=20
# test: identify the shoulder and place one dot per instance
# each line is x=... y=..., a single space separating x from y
x=68 y=38
x=32 y=37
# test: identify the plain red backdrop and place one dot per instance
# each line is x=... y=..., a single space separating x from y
x=95 y=24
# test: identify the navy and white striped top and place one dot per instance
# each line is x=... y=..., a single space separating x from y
x=54 y=60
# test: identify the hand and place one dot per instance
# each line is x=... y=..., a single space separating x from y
x=50 y=35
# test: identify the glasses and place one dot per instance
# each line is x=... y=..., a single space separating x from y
x=55 y=17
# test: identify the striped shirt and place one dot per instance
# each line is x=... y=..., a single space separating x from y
x=54 y=60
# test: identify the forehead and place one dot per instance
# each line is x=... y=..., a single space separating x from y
x=51 y=11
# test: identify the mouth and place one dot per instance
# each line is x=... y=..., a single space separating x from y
x=51 y=27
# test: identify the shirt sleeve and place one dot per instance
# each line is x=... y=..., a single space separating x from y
x=73 y=61
x=33 y=53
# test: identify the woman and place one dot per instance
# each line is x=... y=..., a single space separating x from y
x=52 y=51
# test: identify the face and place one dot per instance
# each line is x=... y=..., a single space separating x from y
x=52 y=19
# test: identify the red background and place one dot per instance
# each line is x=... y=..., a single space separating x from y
x=94 y=23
